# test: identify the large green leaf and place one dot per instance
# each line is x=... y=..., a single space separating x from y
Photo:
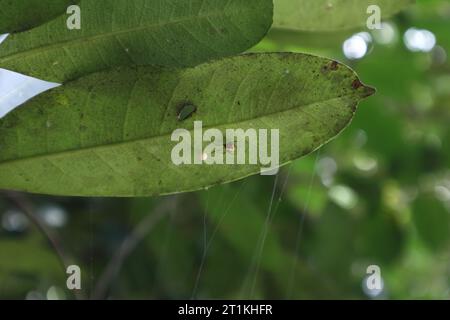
x=109 y=133
x=123 y=32
x=330 y=15
x=18 y=15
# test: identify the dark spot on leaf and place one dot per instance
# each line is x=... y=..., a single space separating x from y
x=334 y=65
x=356 y=84
x=186 y=110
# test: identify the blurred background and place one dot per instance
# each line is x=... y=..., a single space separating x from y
x=379 y=194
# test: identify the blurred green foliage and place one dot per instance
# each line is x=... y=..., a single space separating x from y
x=378 y=194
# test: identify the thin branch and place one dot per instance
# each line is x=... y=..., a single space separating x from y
x=23 y=204
x=128 y=245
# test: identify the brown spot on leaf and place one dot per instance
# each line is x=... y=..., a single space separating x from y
x=366 y=90
x=356 y=84
x=334 y=65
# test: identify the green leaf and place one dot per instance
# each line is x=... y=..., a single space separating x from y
x=109 y=133
x=123 y=32
x=371 y=246
x=19 y=15
x=432 y=221
x=330 y=15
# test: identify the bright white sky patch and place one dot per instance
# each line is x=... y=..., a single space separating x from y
x=419 y=40
x=356 y=47
x=3 y=37
x=16 y=88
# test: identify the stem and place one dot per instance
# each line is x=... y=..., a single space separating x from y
x=23 y=204
x=128 y=245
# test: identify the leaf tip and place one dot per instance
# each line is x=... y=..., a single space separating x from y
x=365 y=90
x=368 y=91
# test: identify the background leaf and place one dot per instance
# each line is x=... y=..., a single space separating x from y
x=123 y=32
x=110 y=133
x=432 y=221
x=267 y=258
x=19 y=15
x=330 y=15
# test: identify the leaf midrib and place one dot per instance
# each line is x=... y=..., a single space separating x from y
x=96 y=37
x=117 y=144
